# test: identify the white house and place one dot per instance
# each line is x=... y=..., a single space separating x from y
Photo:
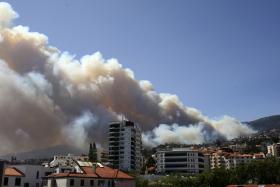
x=13 y=177
x=90 y=174
x=25 y=175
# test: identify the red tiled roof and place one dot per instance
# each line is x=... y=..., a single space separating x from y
x=82 y=175
x=152 y=168
x=101 y=172
x=12 y=171
x=107 y=172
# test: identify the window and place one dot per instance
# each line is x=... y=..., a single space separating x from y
x=101 y=182
x=6 y=181
x=37 y=185
x=53 y=181
x=45 y=182
x=17 y=181
x=82 y=182
x=27 y=185
x=37 y=175
x=71 y=182
x=91 y=182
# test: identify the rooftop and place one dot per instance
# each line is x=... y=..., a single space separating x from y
x=99 y=172
x=12 y=171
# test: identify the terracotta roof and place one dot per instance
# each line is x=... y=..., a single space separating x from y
x=101 y=172
x=107 y=172
x=242 y=155
x=82 y=175
x=12 y=171
x=259 y=155
x=152 y=168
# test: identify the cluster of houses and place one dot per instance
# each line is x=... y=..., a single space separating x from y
x=124 y=154
x=194 y=160
x=64 y=171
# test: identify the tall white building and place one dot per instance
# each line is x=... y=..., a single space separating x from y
x=182 y=160
x=274 y=150
x=125 y=146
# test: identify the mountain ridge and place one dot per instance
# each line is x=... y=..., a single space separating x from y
x=265 y=123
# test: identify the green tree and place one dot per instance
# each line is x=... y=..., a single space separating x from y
x=150 y=162
x=94 y=152
x=90 y=155
x=141 y=182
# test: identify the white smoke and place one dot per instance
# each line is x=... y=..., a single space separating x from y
x=76 y=131
x=7 y=15
x=228 y=127
x=43 y=93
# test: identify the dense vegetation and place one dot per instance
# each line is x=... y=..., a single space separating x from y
x=265 y=171
x=92 y=153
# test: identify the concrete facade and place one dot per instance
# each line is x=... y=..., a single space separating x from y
x=31 y=176
x=11 y=182
x=229 y=160
x=125 y=146
x=274 y=150
x=87 y=182
x=181 y=160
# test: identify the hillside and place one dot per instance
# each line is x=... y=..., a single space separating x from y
x=266 y=123
x=262 y=124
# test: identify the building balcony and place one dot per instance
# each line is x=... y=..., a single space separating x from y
x=175 y=156
x=114 y=136
x=114 y=130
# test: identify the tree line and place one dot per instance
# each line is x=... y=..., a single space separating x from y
x=266 y=171
x=92 y=153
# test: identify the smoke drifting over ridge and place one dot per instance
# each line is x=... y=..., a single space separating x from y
x=47 y=97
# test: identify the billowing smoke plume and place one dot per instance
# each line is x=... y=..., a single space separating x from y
x=47 y=97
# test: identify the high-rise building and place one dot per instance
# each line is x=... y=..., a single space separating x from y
x=125 y=146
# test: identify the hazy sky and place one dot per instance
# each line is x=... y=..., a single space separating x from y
x=222 y=57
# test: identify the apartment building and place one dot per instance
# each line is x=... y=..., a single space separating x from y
x=181 y=160
x=125 y=146
x=229 y=160
x=273 y=150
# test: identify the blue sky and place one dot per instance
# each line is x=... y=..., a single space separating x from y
x=222 y=57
